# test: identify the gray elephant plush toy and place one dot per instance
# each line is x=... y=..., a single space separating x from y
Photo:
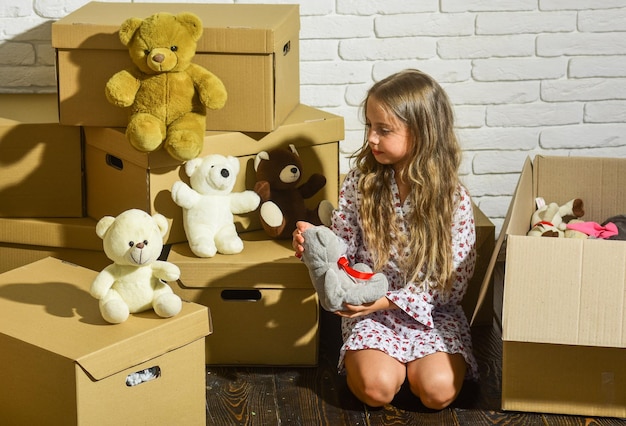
x=334 y=280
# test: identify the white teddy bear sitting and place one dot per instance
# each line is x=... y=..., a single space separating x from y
x=209 y=204
x=135 y=282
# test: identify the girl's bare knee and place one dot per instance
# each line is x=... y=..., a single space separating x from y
x=439 y=399
x=374 y=393
x=437 y=394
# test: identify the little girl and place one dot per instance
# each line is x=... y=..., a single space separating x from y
x=403 y=211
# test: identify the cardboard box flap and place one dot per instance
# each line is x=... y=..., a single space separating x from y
x=589 y=309
x=39 y=303
x=228 y=28
x=78 y=233
x=524 y=184
x=28 y=108
x=261 y=264
x=304 y=126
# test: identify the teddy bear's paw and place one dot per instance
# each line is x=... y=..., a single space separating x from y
x=145 y=133
x=232 y=245
x=115 y=311
x=184 y=145
x=325 y=212
x=203 y=249
x=271 y=214
x=167 y=305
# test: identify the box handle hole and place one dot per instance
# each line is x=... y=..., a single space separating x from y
x=241 y=295
x=143 y=376
x=114 y=162
x=286 y=48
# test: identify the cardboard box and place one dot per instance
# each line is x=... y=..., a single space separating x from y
x=263 y=304
x=252 y=48
x=118 y=177
x=61 y=363
x=40 y=160
x=485 y=242
x=26 y=240
x=564 y=329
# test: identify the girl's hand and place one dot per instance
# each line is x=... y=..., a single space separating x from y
x=298 y=239
x=353 y=311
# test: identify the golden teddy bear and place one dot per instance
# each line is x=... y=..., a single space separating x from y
x=167 y=94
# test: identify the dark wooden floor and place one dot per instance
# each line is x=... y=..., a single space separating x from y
x=319 y=396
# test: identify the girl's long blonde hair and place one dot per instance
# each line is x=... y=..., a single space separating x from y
x=432 y=173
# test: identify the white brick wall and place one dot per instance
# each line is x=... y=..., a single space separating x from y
x=526 y=76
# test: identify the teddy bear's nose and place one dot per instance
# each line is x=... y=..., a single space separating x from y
x=294 y=170
x=225 y=173
x=139 y=245
x=158 y=58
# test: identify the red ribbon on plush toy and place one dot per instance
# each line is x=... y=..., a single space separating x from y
x=343 y=264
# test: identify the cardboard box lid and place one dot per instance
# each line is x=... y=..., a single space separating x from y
x=305 y=126
x=28 y=108
x=586 y=278
x=228 y=28
x=47 y=304
x=263 y=263
x=78 y=233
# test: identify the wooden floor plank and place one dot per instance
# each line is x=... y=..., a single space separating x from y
x=241 y=396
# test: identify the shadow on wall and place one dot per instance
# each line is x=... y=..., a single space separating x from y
x=32 y=73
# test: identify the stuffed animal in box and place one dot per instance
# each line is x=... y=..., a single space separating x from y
x=278 y=176
x=335 y=281
x=166 y=92
x=136 y=280
x=550 y=220
x=209 y=204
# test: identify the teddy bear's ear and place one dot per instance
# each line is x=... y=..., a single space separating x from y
x=293 y=149
x=234 y=163
x=103 y=225
x=192 y=23
x=161 y=222
x=128 y=28
x=192 y=165
x=263 y=155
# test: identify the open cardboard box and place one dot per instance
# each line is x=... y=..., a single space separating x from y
x=252 y=48
x=118 y=177
x=41 y=172
x=61 y=363
x=564 y=328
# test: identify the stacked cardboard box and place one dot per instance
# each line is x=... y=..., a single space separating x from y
x=254 y=49
x=563 y=325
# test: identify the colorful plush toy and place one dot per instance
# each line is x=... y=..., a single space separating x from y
x=136 y=281
x=550 y=220
x=334 y=280
x=278 y=176
x=166 y=92
x=209 y=204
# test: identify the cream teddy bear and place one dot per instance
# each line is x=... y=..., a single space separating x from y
x=136 y=281
x=209 y=204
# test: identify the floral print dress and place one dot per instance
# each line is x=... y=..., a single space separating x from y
x=427 y=321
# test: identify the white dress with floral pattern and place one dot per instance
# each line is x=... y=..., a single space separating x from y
x=427 y=321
